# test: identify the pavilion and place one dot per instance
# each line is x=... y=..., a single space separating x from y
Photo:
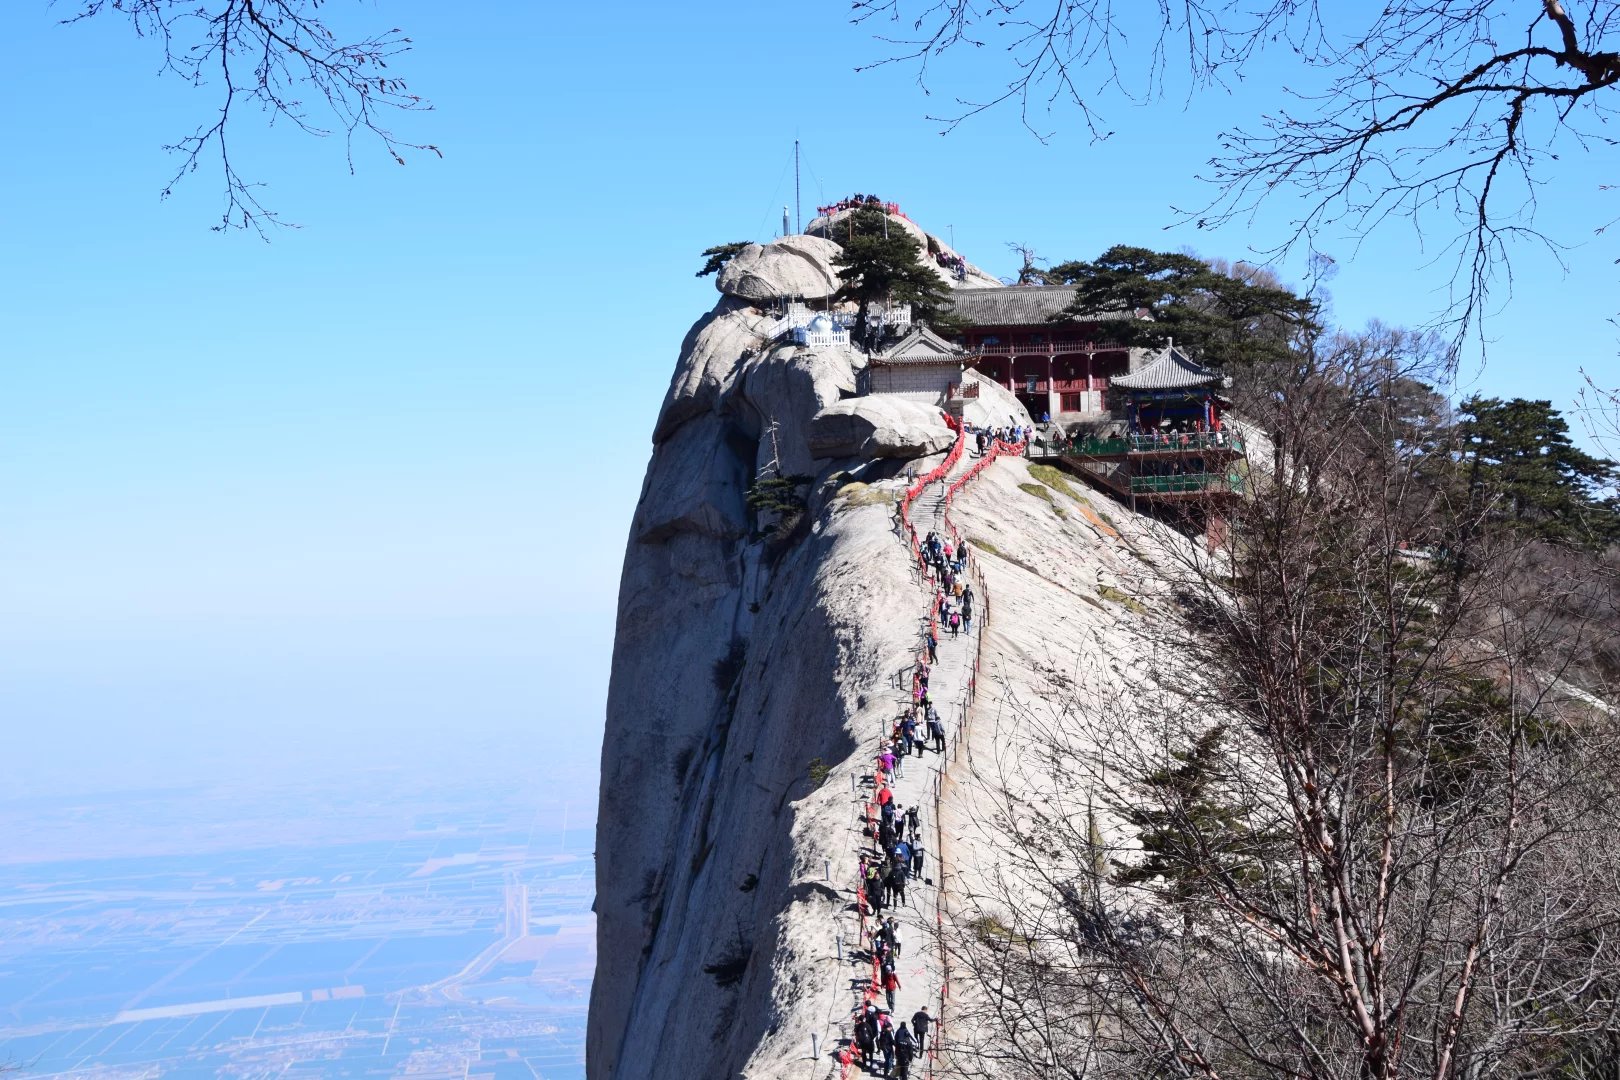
x=1175 y=446
x=1173 y=393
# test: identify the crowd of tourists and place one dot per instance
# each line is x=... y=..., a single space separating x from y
x=953 y=593
x=1012 y=434
x=895 y=860
x=954 y=263
x=885 y=1047
x=860 y=201
x=1183 y=433
x=887 y=869
x=1175 y=435
x=892 y=858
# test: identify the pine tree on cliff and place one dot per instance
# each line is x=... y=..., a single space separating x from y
x=881 y=262
x=1186 y=830
x=716 y=257
x=1519 y=454
x=1243 y=317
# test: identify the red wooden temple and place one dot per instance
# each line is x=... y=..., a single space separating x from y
x=1059 y=370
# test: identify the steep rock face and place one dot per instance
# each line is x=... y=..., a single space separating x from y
x=709 y=358
x=737 y=660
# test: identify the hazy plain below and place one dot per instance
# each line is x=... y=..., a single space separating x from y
x=384 y=871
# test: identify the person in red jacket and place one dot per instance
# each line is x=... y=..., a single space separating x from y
x=891 y=983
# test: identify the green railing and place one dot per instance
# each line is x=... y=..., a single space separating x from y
x=1098 y=447
x=1205 y=440
x=1192 y=482
x=1140 y=444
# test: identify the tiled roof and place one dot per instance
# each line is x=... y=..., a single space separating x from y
x=1017 y=305
x=921 y=346
x=1173 y=370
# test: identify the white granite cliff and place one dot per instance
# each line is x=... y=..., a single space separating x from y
x=736 y=662
x=739 y=659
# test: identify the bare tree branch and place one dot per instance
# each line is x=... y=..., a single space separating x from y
x=1445 y=113
x=275 y=56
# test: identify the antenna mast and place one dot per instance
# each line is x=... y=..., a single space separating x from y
x=798 y=214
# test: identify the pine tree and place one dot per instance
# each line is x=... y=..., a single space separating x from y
x=1187 y=833
x=1518 y=454
x=883 y=263
x=717 y=257
x=1218 y=318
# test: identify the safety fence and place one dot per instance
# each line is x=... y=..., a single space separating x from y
x=960 y=738
x=921 y=483
x=1139 y=443
x=881 y=792
x=996 y=450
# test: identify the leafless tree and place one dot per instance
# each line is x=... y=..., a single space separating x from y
x=279 y=57
x=1600 y=409
x=1445 y=112
x=1356 y=820
x=1029 y=263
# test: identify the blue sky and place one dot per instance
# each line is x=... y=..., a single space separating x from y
x=376 y=475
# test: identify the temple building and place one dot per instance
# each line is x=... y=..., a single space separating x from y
x=1167 y=441
x=1059 y=370
x=920 y=365
x=1172 y=393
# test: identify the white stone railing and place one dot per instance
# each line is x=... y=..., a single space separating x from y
x=897 y=317
x=798 y=317
x=803 y=335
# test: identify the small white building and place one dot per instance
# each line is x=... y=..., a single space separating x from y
x=921 y=365
x=820 y=330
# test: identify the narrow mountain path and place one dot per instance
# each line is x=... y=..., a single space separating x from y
x=917 y=784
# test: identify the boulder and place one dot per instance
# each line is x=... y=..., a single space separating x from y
x=996 y=406
x=786 y=267
x=695 y=484
x=776 y=396
x=879 y=426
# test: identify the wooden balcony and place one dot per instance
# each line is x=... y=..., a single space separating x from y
x=1188 y=484
x=1117 y=465
x=1041 y=348
x=1061 y=386
x=1183 y=487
